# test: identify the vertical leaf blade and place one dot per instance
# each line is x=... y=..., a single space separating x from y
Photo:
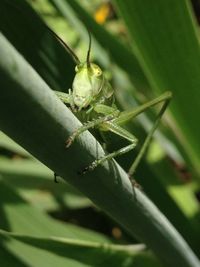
x=166 y=44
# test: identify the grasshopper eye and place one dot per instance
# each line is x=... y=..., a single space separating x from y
x=97 y=71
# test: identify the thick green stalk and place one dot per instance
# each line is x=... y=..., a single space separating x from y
x=33 y=116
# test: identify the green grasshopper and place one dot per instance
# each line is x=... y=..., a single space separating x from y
x=92 y=101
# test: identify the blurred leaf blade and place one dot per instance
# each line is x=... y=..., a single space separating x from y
x=13 y=206
x=9 y=144
x=10 y=260
x=54 y=153
x=167 y=46
x=116 y=49
x=24 y=214
x=30 y=178
x=41 y=49
x=89 y=253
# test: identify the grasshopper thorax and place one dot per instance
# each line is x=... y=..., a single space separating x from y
x=87 y=84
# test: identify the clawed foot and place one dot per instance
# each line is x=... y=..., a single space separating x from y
x=91 y=167
x=55 y=178
x=134 y=182
x=69 y=141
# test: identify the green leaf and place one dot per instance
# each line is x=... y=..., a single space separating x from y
x=31 y=179
x=76 y=14
x=165 y=41
x=41 y=126
x=28 y=33
x=17 y=216
x=9 y=144
x=88 y=253
x=9 y=260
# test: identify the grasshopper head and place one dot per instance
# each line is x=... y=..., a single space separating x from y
x=87 y=84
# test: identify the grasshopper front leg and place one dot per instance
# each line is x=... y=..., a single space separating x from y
x=107 y=113
x=110 y=126
x=66 y=98
x=87 y=126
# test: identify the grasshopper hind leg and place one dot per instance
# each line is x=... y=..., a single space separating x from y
x=114 y=127
x=109 y=126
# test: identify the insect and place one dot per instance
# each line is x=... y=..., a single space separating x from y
x=92 y=100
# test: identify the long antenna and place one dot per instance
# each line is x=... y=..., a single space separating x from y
x=89 y=49
x=69 y=50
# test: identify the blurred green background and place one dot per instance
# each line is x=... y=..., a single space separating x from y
x=145 y=49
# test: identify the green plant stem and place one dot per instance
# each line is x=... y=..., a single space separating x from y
x=33 y=116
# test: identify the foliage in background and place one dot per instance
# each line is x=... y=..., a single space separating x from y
x=152 y=61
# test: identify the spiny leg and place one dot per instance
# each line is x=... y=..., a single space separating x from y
x=109 y=126
x=127 y=115
x=124 y=117
x=88 y=125
x=64 y=97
